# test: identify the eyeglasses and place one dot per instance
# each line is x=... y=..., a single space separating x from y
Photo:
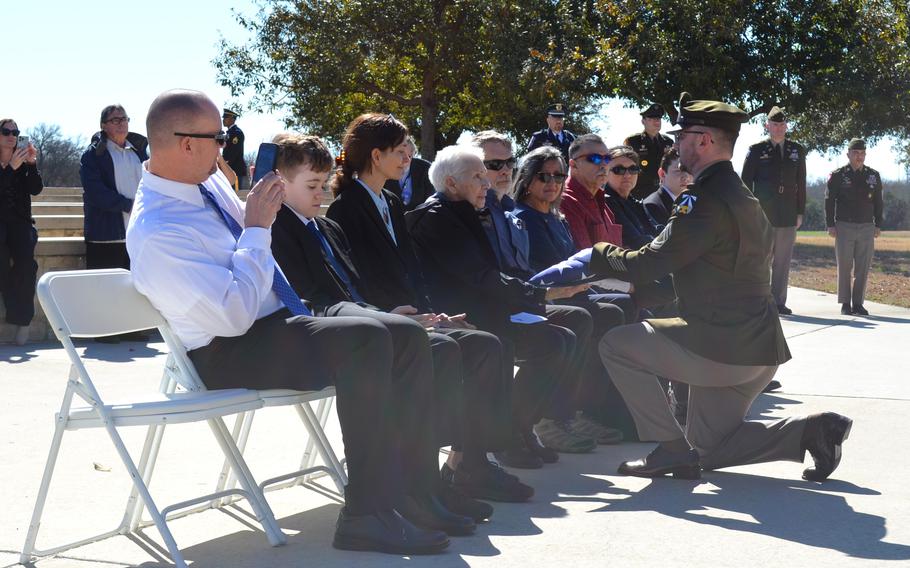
x=497 y=165
x=118 y=120
x=682 y=133
x=547 y=178
x=622 y=170
x=8 y=132
x=596 y=159
x=220 y=138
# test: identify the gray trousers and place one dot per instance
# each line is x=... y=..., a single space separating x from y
x=720 y=396
x=853 y=247
x=784 y=238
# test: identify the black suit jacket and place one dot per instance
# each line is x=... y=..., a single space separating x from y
x=462 y=270
x=546 y=137
x=299 y=254
x=389 y=273
x=421 y=187
x=659 y=206
x=637 y=228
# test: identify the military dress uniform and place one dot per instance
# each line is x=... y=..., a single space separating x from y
x=650 y=153
x=233 y=154
x=853 y=205
x=546 y=137
x=776 y=174
x=727 y=342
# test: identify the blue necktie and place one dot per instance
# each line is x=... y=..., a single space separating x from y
x=280 y=285
x=336 y=266
x=406 y=188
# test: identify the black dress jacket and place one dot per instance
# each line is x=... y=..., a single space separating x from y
x=461 y=268
x=421 y=186
x=659 y=205
x=299 y=254
x=389 y=273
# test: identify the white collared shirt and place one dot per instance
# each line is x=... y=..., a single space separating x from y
x=127 y=171
x=382 y=207
x=185 y=259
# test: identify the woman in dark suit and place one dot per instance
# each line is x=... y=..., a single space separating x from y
x=372 y=218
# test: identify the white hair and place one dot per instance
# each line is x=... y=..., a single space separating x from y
x=451 y=162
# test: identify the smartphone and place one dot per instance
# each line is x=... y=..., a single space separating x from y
x=23 y=142
x=265 y=161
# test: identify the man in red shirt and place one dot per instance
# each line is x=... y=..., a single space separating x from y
x=590 y=221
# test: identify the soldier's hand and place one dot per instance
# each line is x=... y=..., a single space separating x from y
x=832 y=232
x=559 y=292
x=264 y=201
x=878 y=233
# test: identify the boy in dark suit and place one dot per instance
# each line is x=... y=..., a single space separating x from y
x=472 y=390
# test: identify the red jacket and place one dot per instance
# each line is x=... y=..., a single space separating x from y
x=590 y=221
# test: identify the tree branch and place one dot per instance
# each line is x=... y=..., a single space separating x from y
x=374 y=89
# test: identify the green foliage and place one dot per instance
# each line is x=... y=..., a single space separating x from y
x=440 y=66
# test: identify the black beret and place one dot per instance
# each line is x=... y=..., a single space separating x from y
x=653 y=111
x=709 y=113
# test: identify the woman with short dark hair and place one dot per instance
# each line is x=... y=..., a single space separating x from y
x=19 y=180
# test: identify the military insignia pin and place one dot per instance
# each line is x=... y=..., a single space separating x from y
x=685 y=205
x=644 y=163
x=235 y=140
x=870 y=180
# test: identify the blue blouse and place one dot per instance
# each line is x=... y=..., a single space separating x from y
x=551 y=241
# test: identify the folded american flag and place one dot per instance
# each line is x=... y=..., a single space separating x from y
x=574 y=270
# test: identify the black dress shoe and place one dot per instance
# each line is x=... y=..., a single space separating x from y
x=784 y=310
x=460 y=504
x=845 y=309
x=386 y=531
x=860 y=310
x=822 y=438
x=491 y=482
x=429 y=513
x=772 y=386
x=547 y=455
x=660 y=462
x=519 y=456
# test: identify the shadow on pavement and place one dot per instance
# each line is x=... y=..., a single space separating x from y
x=836 y=321
x=807 y=513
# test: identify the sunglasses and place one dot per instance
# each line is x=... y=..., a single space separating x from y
x=118 y=120
x=220 y=138
x=622 y=170
x=596 y=159
x=8 y=132
x=679 y=135
x=547 y=178
x=497 y=165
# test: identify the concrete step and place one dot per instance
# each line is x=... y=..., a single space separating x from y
x=45 y=222
x=69 y=198
x=60 y=246
x=57 y=208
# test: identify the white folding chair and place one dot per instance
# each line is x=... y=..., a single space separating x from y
x=96 y=303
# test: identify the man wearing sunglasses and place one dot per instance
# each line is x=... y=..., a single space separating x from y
x=650 y=146
x=727 y=343
x=583 y=201
x=110 y=171
x=555 y=133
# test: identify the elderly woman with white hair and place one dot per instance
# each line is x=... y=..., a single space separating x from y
x=462 y=272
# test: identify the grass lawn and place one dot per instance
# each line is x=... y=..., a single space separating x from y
x=814 y=267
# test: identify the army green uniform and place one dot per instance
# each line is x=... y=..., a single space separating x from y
x=727 y=342
x=853 y=205
x=776 y=174
x=650 y=152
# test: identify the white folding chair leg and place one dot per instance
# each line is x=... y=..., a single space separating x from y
x=147 y=460
x=308 y=459
x=311 y=422
x=240 y=434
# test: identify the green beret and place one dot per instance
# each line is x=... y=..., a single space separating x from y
x=709 y=113
x=777 y=115
x=857 y=144
x=653 y=111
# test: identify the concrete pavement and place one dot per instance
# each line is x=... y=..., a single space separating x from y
x=583 y=514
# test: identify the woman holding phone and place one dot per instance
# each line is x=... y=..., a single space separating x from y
x=19 y=180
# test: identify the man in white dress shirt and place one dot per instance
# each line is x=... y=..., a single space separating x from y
x=203 y=258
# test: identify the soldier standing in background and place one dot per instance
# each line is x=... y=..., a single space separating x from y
x=555 y=133
x=775 y=171
x=650 y=146
x=233 y=148
x=853 y=212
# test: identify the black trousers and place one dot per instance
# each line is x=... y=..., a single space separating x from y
x=562 y=404
x=383 y=382
x=106 y=255
x=471 y=384
x=18 y=270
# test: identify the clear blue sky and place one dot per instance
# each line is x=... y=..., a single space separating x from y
x=72 y=58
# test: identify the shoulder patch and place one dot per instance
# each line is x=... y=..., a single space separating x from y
x=685 y=204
